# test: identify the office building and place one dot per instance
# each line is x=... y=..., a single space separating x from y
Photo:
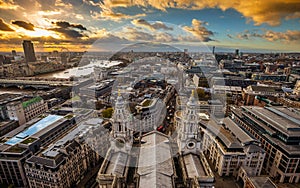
x=13 y=53
x=29 y=51
x=21 y=143
x=24 y=111
x=229 y=147
x=149 y=115
x=277 y=128
x=66 y=161
x=7 y=126
x=269 y=92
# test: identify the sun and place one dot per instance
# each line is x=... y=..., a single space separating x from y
x=39 y=32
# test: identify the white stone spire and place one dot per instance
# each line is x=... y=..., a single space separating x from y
x=121 y=123
x=189 y=132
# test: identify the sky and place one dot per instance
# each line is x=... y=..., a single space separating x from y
x=110 y=25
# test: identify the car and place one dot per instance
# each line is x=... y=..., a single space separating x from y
x=161 y=128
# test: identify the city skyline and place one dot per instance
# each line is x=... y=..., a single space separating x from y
x=82 y=25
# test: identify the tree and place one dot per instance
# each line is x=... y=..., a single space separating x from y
x=107 y=113
x=201 y=93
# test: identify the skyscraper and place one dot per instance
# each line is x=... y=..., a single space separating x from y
x=237 y=52
x=13 y=53
x=29 y=51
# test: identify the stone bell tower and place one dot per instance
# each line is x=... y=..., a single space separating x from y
x=122 y=133
x=188 y=137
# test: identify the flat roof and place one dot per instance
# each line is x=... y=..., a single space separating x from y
x=228 y=140
x=53 y=150
x=4 y=123
x=279 y=118
x=194 y=166
x=262 y=182
x=38 y=126
x=237 y=131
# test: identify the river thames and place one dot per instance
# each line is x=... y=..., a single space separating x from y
x=76 y=71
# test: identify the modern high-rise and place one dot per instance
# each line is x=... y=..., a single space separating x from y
x=13 y=53
x=29 y=51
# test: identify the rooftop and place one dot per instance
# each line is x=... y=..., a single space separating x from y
x=280 y=118
x=262 y=182
x=53 y=150
x=282 y=128
x=146 y=102
x=155 y=165
x=240 y=134
x=31 y=101
x=260 y=88
x=15 y=149
x=193 y=166
x=226 y=138
x=35 y=128
x=117 y=164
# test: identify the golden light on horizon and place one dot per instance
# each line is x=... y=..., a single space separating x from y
x=38 y=32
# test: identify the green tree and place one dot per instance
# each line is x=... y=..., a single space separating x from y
x=201 y=93
x=107 y=113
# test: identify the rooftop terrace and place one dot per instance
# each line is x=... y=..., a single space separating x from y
x=31 y=101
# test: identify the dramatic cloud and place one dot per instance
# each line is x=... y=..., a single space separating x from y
x=64 y=24
x=198 y=30
x=230 y=36
x=25 y=25
x=4 y=26
x=155 y=26
x=287 y=36
x=60 y=3
x=263 y=11
x=9 y=5
x=134 y=34
x=69 y=30
x=165 y=38
x=107 y=12
x=68 y=33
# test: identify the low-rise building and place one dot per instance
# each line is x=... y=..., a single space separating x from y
x=289 y=102
x=21 y=143
x=251 y=181
x=270 y=92
x=277 y=128
x=212 y=107
x=269 y=77
x=7 y=126
x=149 y=114
x=229 y=147
x=65 y=162
x=26 y=110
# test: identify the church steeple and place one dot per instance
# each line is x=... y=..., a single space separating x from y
x=189 y=131
x=121 y=123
